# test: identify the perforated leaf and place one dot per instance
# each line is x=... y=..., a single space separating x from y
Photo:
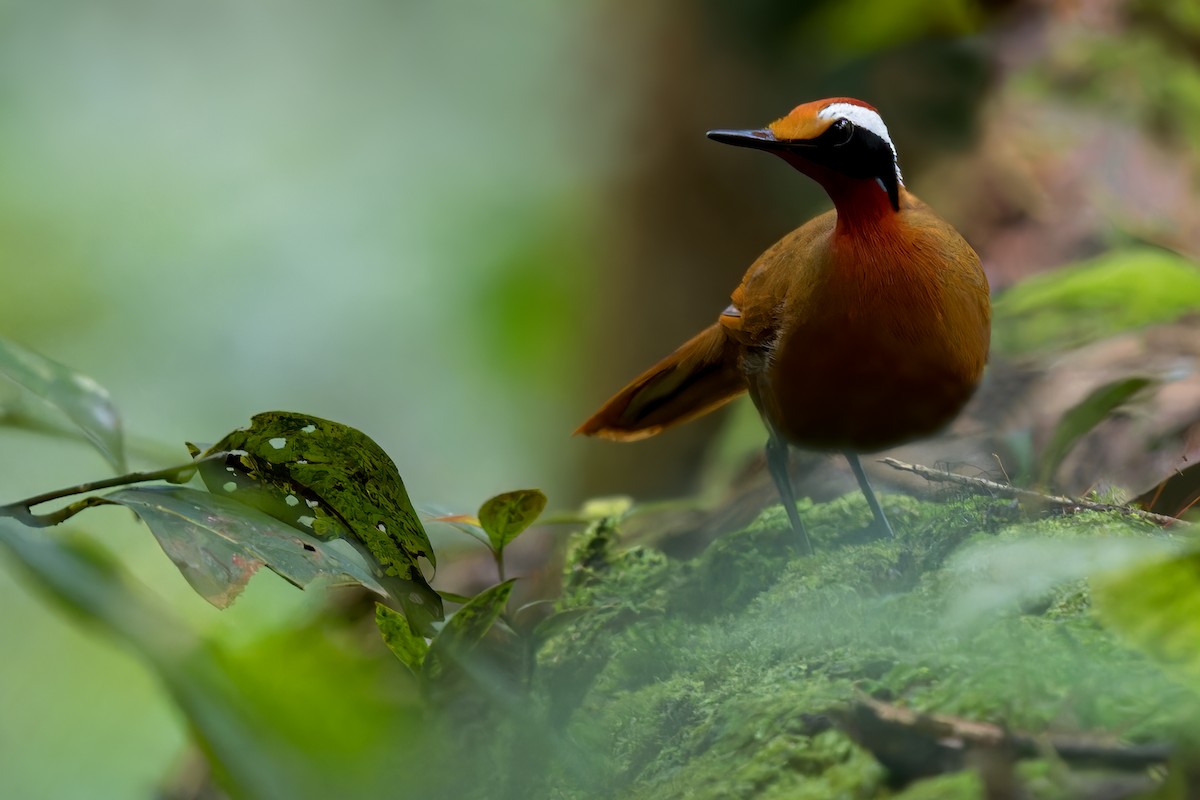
x=219 y=544
x=333 y=481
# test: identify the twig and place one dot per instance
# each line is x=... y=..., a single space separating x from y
x=22 y=510
x=913 y=745
x=984 y=486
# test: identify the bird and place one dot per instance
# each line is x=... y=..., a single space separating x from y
x=866 y=327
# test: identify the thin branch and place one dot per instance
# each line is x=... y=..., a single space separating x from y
x=914 y=744
x=22 y=510
x=984 y=486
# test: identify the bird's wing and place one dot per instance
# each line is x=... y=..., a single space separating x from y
x=774 y=281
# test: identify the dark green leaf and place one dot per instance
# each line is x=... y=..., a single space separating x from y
x=86 y=403
x=400 y=639
x=1082 y=418
x=506 y=515
x=466 y=628
x=219 y=544
x=333 y=481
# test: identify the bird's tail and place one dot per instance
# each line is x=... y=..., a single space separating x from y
x=700 y=376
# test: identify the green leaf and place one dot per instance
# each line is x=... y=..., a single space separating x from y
x=506 y=515
x=1114 y=292
x=332 y=481
x=219 y=544
x=400 y=639
x=466 y=628
x=1156 y=607
x=86 y=403
x=1079 y=420
x=264 y=714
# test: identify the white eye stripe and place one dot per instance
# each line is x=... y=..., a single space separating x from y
x=866 y=119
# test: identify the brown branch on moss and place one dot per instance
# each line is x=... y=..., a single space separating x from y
x=914 y=745
x=984 y=486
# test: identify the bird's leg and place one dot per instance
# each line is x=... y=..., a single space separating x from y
x=777 y=463
x=881 y=521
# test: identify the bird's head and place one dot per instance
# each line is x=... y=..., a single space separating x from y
x=840 y=135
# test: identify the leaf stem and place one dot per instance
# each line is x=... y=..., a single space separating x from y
x=22 y=510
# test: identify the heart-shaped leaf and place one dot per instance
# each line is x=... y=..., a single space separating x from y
x=86 y=403
x=506 y=515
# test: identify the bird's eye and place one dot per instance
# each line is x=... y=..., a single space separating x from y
x=844 y=130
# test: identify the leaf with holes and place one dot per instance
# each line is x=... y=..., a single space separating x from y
x=219 y=544
x=86 y=403
x=332 y=481
x=398 y=635
x=1082 y=418
x=506 y=515
x=466 y=628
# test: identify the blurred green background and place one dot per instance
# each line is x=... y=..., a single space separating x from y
x=460 y=226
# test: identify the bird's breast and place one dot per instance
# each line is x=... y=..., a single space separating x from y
x=884 y=341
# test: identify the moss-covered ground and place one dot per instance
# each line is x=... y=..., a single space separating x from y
x=729 y=676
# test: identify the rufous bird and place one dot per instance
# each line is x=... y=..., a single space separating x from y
x=864 y=328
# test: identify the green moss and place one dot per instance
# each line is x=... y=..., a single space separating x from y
x=716 y=677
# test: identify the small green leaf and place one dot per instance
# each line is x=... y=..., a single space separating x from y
x=506 y=515
x=400 y=639
x=218 y=544
x=466 y=628
x=1082 y=418
x=1156 y=607
x=86 y=403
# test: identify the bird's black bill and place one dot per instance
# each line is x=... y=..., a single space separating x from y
x=758 y=139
